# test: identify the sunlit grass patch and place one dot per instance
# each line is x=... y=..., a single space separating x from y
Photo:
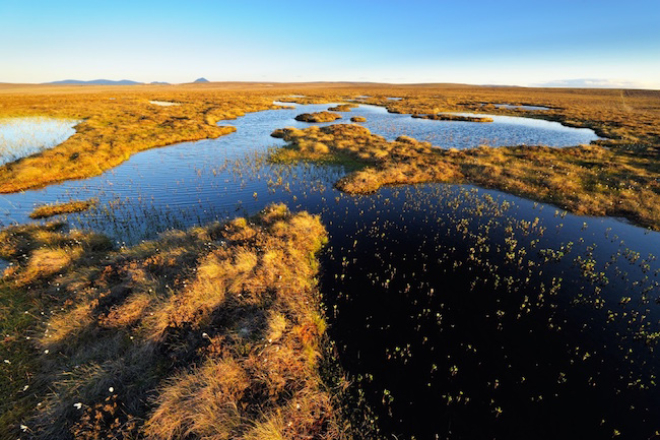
x=214 y=332
x=450 y=117
x=73 y=206
x=318 y=117
x=592 y=179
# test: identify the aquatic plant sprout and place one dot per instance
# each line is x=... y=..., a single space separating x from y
x=22 y=137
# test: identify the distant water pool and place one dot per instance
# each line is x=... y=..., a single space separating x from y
x=521 y=107
x=22 y=137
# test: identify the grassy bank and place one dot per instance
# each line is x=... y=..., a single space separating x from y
x=212 y=333
x=115 y=125
x=118 y=121
x=592 y=180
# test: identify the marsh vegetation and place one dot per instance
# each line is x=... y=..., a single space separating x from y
x=70 y=207
x=318 y=117
x=452 y=310
x=450 y=117
x=213 y=332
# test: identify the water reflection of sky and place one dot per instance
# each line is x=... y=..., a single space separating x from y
x=21 y=137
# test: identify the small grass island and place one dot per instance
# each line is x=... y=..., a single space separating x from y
x=446 y=117
x=318 y=117
x=342 y=108
x=46 y=211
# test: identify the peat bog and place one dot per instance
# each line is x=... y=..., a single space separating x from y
x=456 y=311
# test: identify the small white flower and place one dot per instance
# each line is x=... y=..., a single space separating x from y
x=111 y=389
x=25 y=388
x=7 y=361
x=77 y=405
x=46 y=351
x=24 y=428
x=205 y=335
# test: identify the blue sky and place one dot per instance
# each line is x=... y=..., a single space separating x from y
x=603 y=42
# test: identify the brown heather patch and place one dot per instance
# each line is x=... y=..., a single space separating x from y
x=210 y=333
x=590 y=180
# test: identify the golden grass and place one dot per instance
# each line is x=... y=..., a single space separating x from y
x=614 y=178
x=114 y=126
x=448 y=117
x=592 y=180
x=342 y=108
x=120 y=120
x=214 y=333
x=70 y=207
x=318 y=117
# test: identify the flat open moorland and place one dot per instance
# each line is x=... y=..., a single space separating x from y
x=216 y=269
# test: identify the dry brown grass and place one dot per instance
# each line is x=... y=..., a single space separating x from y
x=212 y=333
x=46 y=211
x=119 y=120
x=115 y=125
x=342 y=108
x=592 y=180
x=448 y=117
x=318 y=117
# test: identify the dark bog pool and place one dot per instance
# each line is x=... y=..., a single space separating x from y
x=458 y=312
x=466 y=313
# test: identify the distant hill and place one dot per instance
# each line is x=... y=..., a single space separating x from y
x=201 y=80
x=102 y=82
x=159 y=83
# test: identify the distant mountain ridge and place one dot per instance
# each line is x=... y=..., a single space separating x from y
x=201 y=80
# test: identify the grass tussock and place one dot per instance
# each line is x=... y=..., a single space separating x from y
x=318 y=117
x=358 y=119
x=342 y=108
x=591 y=180
x=214 y=333
x=448 y=117
x=73 y=206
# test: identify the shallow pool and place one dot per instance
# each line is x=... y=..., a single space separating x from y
x=22 y=137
